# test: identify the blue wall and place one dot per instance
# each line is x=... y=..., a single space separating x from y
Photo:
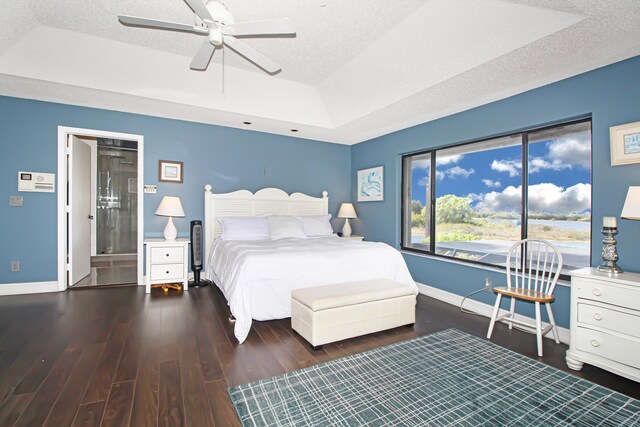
x=226 y=158
x=610 y=94
x=231 y=158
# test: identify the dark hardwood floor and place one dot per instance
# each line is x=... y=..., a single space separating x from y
x=116 y=357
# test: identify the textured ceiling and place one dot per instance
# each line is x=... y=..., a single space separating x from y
x=355 y=70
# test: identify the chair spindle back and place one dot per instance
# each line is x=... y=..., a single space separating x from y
x=536 y=265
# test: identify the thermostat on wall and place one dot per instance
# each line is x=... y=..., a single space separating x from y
x=150 y=189
x=36 y=181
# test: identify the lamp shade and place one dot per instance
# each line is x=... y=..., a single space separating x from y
x=170 y=206
x=631 y=209
x=347 y=211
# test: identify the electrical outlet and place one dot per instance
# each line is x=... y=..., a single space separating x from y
x=15 y=266
x=487 y=284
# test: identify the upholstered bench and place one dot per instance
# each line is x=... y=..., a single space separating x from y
x=332 y=313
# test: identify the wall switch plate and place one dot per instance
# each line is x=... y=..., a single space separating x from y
x=150 y=189
x=15 y=266
x=16 y=200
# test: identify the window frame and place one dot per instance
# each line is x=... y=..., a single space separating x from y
x=524 y=205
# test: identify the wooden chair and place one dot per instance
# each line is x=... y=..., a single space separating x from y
x=533 y=269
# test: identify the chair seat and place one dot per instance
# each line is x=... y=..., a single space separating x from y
x=524 y=294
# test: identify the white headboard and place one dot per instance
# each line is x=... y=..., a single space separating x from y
x=264 y=202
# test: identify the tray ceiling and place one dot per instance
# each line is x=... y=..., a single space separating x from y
x=355 y=70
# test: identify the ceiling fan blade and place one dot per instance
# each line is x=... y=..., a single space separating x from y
x=200 y=9
x=255 y=28
x=161 y=25
x=251 y=54
x=201 y=60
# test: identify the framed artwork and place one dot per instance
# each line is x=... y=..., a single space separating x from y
x=170 y=171
x=625 y=144
x=371 y=184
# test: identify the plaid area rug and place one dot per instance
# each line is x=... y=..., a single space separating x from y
x=446 y=378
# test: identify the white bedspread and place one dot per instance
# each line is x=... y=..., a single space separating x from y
x=257 y=277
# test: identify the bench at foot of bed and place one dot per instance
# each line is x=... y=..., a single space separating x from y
x=325 y=314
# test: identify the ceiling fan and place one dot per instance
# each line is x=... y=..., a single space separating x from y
x=216 y=22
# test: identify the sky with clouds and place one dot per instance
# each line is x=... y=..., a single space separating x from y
x=559 y=176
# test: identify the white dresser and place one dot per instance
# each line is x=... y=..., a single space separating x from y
x=166 y=262
x=605 y=322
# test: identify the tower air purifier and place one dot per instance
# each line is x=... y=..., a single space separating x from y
x=196 y=255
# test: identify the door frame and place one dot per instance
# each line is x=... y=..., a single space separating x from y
x=63 y=133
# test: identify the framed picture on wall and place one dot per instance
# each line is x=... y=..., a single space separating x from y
x=371 y=184
x=625 y=144
x=170 y=171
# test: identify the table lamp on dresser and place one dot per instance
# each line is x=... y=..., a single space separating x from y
x=631 y=209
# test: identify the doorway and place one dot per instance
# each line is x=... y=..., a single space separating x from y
x=100 y=209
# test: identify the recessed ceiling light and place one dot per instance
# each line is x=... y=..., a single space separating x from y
x=294 y=130
x=247 y=123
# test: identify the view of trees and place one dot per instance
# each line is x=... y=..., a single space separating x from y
x=450 y=209
x=457 y=221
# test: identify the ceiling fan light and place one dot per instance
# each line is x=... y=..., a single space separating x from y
x=215 y=36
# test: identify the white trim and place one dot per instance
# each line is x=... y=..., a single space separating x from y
x=28 y=288
x=482 y=308
x=63 y=132
x=493 y=269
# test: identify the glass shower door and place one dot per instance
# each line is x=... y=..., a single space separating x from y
x=117 y=201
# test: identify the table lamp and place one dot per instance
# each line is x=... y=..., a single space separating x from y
x=170 y=206
x=631 y=209
x=347 y=211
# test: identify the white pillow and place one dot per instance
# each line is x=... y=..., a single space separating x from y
x=244 y=228
x=284 y=227
x=316 y=225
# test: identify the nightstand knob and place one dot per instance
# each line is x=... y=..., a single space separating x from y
x=167 y=272
x=597 y=316
x=166 y=254
x=595 y=343
x=597 y=292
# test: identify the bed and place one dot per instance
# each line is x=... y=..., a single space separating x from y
x=257 y=276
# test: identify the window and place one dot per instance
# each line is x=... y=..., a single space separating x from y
x=472 y=201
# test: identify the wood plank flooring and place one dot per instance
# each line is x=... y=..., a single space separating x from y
x=118 y=357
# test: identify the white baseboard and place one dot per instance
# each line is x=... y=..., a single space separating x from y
x=480 y=307
x=28 y=288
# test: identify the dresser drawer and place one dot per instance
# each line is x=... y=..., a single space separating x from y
x=167 y=255
x=613 y=347
x=608 y=318
x=167 y=272
x=610 y=294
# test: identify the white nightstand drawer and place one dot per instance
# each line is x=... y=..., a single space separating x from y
x=623 y=350
x=610 y=294
x=168 y=255
x=624 y=323
x=167 y=272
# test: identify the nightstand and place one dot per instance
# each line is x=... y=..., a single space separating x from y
x=166 y=262
x=353 y=237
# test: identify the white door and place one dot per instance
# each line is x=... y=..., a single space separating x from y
x=80 y=217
